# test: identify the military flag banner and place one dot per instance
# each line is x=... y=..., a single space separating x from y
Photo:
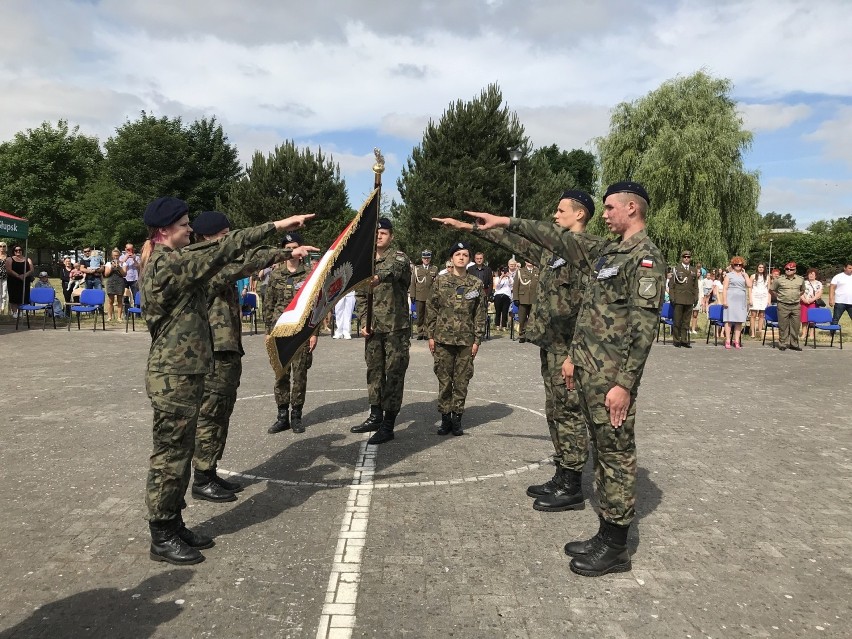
x=348 y=262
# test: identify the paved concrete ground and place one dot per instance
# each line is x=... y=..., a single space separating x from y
x=745 y=520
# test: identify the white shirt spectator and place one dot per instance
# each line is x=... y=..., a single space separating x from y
x=843 y=290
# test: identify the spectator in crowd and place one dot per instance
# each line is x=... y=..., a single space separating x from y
x=91 y=265
x=44 y=282
x=114 y=273
x=759 y=300
x=514 y=265
x=483 y=272
x=840 y=293
x=130 y=262
x=705 y=287
x=502 y=298
x=78 y=281
x=812 y=293
x=19 y=274
x=65 y=276
x=787 y=292
x=735 y=295
x=4 y=289
x=343 y=316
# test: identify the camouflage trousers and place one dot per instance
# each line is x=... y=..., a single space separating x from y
x=564 y=415
x=176 y=400
x=297 y=370
x=614 y=448
x=789 y=324
x=420 y=309
x=454 y=368
x=386 y=355
x=220 y=395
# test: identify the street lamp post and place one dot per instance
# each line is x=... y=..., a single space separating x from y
x=769 y=269
x=515 y=155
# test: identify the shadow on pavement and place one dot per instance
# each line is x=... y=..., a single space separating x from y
x=107 y=612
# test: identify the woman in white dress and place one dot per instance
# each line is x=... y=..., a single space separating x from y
x=759 y=300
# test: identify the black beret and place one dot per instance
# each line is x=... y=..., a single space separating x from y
x=582 y=197
x=292 y=237
x=426 y=253
x=628 y=187
x=210 y=223
x=385 y=223
x=164 y=211
x=458 y=246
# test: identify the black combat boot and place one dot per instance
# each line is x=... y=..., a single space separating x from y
x=609 y=553
x=371 y=423
x=296 y=419
x=385 y=432
x=547 y=488
x=192 y=538
x=457 y=429
x=446 y=424
x=233 y=486
x=166 y=544
x=577 y=548
x=282 y=423
x=567 y=496
x=205 y=487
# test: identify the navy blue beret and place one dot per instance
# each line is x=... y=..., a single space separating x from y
x=458 y=246
x=164 y=211
x=628 y=187
x=582 y=197
x=292 y=237
x=385 y=223
x=210 y=223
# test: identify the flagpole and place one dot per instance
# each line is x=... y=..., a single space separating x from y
x=378 y=169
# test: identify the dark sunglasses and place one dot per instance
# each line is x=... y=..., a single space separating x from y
x=789 y=269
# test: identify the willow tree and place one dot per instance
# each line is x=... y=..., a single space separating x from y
x=685 y=143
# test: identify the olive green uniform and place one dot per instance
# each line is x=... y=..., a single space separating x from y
x=613 y=337
x=683 y=295
x=221 y=384
x=280 y=291
x=554 y=316
x=174 y=305
x=386 y=350
x=422 y=277
x=457 y=313
x=788 y=292
x=524 y=291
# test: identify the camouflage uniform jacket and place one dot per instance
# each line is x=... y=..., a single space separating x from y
x=422 y=278
x=559 y=295
x=280 y=290
x=525 y=288
x=621 y=306
x=390 y=295
x=457 y=310
x=223 y=301
x=174 y=299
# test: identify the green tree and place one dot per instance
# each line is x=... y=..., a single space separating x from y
x=578 y=166
x=213 y=163
x=286 y=182
x=463 y=163
x=103 y=216
x=43 y=171
x=685 y=143
x=773 y=220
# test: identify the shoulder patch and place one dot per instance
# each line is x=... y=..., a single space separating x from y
x=647 y=262
x=647 y=288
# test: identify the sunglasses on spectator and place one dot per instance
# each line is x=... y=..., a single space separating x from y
x=19 y=250
x=737 y=264
x=789 y=269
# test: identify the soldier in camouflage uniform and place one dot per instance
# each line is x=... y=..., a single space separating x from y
x=554 y=316
x=174 y=305
x=456 y=325
x=615 y=330
x=387 y=341
x=221 y=384
x=422 y=276
x=524 y=291
x=284 y=282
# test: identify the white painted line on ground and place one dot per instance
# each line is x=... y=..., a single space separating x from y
x=337 y=620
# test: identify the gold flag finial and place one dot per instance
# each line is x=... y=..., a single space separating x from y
x=379 y=166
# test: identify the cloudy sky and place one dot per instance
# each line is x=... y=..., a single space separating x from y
x=351 y=75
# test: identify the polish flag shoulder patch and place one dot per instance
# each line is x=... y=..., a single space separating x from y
x=646 y=262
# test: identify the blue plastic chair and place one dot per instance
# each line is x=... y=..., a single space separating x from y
x=820 y=319
x=513 y=316
x=91 y=301
x=715 y=313
x=666 y=320
x=771 y=320
x=41 y=299
x=131 y=312
x=248 y=309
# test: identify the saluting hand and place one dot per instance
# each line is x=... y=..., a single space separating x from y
x=487 y=221
x=454 y=223
x=301 y=252
x=293 y=222
x=617 y=402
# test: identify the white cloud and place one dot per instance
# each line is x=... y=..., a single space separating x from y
x=807 y=199
x=771 y=117
x=571 y=126
x=836 y=135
